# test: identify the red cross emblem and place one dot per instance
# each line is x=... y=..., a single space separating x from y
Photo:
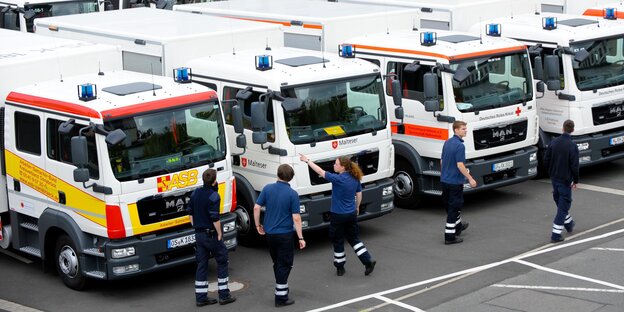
x=518 y=111
x=244 y=161
x=335 y=144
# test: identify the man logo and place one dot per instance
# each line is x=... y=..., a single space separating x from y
x=335 y=144
x=500 y=134
x=244 y=162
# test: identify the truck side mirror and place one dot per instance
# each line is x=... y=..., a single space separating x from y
x=538 y=68
x=258 y=123
x=540 y=86
x=79 y=151
x=81 y=175
x=581 y=55
x=237 y=119
x=430 y=86
x=115 y=137
x=244 y=94
x=241 y=141
x=552 y=72
x=397 y=96
x=461 y=74
x=292 y=105
x=398 y=112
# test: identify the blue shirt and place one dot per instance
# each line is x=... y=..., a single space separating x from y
x=344 y=187
x=204 y=207
x=562 y=160
x=281 y=202
x=453 y=152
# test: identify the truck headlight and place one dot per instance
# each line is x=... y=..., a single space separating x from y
x=583 y=146
x=126 y=269
x=304 y=224
x=386 y=191
x=533 y=157
x=302 y=209
x=122 y=252
x=584 y=159
x=229 y=226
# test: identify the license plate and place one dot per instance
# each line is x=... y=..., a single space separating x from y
x=617 y=140
x=181 y=241
x=503 y=165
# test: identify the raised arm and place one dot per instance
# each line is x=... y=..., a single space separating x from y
x=312 y=165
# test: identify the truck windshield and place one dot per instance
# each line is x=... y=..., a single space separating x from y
x=493 y=82
x=336 y=109
x=603 y=68
x=59 y=8
x=167 y=141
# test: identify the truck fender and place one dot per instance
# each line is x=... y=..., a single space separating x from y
x=544 y=139
x=245 y=223
x=407 y=152
x=52 y=219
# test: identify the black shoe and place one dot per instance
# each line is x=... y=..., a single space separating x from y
x=370 y=267
x=284 y=303
x=228 y=299
x=457 y=240
x=207 y=302
x=557 y=240
x=340 y=271
x=462 y=227
x=570 y=226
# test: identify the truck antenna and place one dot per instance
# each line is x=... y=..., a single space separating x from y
x=153 y=86
x=322 y=40
x=100 y=72
x=480 y=33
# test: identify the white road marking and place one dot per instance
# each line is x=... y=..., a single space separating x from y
x=608 y=249
x=576 y=276
x=470 y=271
x=14 y=307
x=559 y=288
x=400 y=304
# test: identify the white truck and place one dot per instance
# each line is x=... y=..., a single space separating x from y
x=311 y=25
x=457 y=15
x=582 y=59
x=158 y=41
x=354 y=125
x=446 y=76
x=19 y=14
x=572 y=6
x=143 y=143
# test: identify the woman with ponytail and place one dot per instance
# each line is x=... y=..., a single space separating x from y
x=345 y=207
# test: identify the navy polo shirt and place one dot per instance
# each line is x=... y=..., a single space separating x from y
x=453 y=152
x=281 y=202
x=204 y=207
x=344 y=187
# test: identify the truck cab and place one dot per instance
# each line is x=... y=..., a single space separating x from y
x=444 y=76
x=19 y=15
x=299 y=101
x=100 y=168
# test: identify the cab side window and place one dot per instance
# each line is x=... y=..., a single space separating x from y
x=59 y=146
x=28 y=133
x=229 y=93
x=411 y=81
x=9 y=19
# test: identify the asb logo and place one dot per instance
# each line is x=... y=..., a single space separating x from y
x=335 y=144
x=178 y=180
x=244 y=161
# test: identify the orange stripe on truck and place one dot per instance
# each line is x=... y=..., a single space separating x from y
x=442 y=56
x=159 y=104
x=50 y=104
x=423 y=131
x=600 y=13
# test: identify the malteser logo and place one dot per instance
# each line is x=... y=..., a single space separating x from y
x=244 y=162
x=177 y=180
x=252 y=163
x=337 y=143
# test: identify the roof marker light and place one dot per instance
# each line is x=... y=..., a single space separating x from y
x=346 y=50
x=87 y=92
x=549 y=23
x=182 y=75
x=610 y=13
x=264 y=62
x=428 y=38
x=493 y=30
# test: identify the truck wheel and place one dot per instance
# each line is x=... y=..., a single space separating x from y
x=68 y=264
x=5 y=242
x=406 y=194
x=245 y=224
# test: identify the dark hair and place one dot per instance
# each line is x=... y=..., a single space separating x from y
x=568 y=126
x=351 y=167
x=458 y=124
x=285 y=172
x=209 y=176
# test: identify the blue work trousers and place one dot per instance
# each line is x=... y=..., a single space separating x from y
x=453 y=198
x=282 y=250
x=562 y=195
x=207 y=245
x=341 y=227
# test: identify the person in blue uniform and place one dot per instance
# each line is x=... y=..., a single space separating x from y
x=454 y=174
x=282 y=221
x=345 y=207
x=562 y=161
x=203 y=209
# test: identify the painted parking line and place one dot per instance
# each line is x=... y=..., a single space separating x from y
x=608 y=249
x=594 y=188
x=460 y=274
x=619 y=291
x=15 y=307
x=399 y=303
x=575 y=276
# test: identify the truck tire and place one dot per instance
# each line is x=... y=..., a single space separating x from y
x=68 y=263
x=245 y=224
x=406 y=190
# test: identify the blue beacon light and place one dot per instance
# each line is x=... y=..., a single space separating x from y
x=87 y=92
x=182 y=75
x=264 y=62
x=610 y=13
x=549 y=23
x=493 y=30
x=346 y=50
x=428 y=38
